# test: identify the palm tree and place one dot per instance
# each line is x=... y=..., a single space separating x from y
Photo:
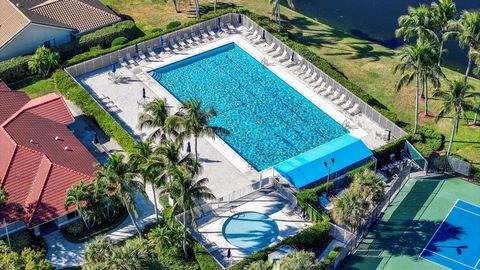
x=167 y=239
x=192 y=120
x=132 y=255
x=348 y=209
x=300 y=260
x=467 y=32
x=187 y=192
x=44 y=61
x=444 y=12
x=276 y=10
x=120 y=175
x=197 y=9
x=142 y=154
x=104 y=203
x=431 y=71
x=370 y=187
x=412 y=60
x=98 y=252
x=455 y=99
x=79 y=197
x=154 y=116
x=418 y=22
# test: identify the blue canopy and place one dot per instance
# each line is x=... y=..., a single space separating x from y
x=309 y=167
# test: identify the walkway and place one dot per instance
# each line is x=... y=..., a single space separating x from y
x=63 y=253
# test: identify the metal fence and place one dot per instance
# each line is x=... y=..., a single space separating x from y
x=356 y=238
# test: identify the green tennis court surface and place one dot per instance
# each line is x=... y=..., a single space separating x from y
x=409 y=223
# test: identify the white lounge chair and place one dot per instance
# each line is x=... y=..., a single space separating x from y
x=130 y=59
x=196 y=38
x=299 y=68
x=340 y=100
x=276 y=52
x=122 y=62
x=327 y=91
x=312 y=78
x=322 y=87
x=211 y=32
x=142 y=55
x=204 y=34
x=174 y=46
x=335 y=95
x=284 y=57
x=267 y=48
x=317 y=82
x=152 y=53
x=231 y=27
x=306 y=74
x=347 y=105
x=354 y=110
x=251 y=35
x=247 y=31
x=188 y=39
x=180 y=41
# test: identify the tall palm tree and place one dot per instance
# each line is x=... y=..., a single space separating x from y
x=104 y=203
x=98 y=252
x=79 y=196
x=444 y=12
x=412 y=59
x=431 y=71
x=456 y=100
x=467 y=32
x=276 y=10
x=154 y=116
x=197 y=9
x=192 y=120
x=142 y=154
x=418 y=22
x=187 y=192
x=120 y=175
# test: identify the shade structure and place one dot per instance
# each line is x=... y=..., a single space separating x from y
x=308 y=167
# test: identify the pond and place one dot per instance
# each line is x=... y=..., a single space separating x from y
x=376 y=20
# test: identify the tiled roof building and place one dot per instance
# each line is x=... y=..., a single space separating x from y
x=40 y=158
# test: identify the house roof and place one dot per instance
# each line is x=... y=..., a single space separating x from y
x=77 y=15
x=41 y=159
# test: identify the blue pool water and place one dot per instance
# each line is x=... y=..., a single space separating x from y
x=250 y=230
x=268 y=120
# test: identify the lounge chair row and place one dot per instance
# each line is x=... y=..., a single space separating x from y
x=178 y=43
x=303 y=71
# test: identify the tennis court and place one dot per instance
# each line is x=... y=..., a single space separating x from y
x=410 y=223
x=456 y=243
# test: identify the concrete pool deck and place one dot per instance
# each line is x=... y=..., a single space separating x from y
x=218 y=159
x=268 y=202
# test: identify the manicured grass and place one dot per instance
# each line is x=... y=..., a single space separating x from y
x=409 y=222
x=35 y=87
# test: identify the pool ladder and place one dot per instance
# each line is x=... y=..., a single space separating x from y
x=264 y=61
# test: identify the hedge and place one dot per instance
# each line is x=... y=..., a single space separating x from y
x=204 y=259
x=368 y=166
x=119 y=41
x=327 y=262
x=75 y=93
x=102 y=37
x=15 y=69
x=305 y=239
x=309 y=200
x=384 y=152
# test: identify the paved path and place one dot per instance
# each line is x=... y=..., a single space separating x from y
x=63 y=253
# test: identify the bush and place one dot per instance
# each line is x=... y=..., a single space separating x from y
x=327 y=262
x=369 y=166
x=427 y=141
x=173 y=25
x=309 y=200
x=75 y=228
x=383 y=153
x=204 y=259
x=90 y=107
x=15 y=69
x=119 y=41
x=102 y=37
x=476 y=174
x=312 y=236
x=21 y=240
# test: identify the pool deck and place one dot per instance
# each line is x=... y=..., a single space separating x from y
x=267 y=202
x=218 y=159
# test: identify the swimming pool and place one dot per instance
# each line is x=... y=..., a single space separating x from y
x=250 y=230
x=268 y=120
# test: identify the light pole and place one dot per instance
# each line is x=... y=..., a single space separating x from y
x=328 y=170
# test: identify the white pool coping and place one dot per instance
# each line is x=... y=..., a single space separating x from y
x=277 y=69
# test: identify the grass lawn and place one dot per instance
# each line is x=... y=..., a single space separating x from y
x=409 y=223
x=366 y=64
x=34 y=87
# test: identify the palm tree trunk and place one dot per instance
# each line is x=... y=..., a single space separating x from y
x=416 y=104
x=455 y=122
x=214 y=6
x=439 y=64
x=476 y=114
x=426 y=96
x=133 y=220
x=155 y=201
x=469 y=66
x=197 y=9
x=184 y=242
x=196 y=150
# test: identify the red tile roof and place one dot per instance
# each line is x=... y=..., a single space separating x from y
x=41 y=159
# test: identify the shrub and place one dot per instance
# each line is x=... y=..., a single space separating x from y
x=95 y=48
x=26 y=259
x=15 y=69
x=309 y=200
x=259 y=265
x=369 y=166
x=427 y=141
x=91 y=108
x=204 y=259
x=327 y=262
x=312 y=236
x=173 y=25
x=102 y=37
x=44 y=61
x=300 y=260
x=75 y=228
x=476 y=174
x=119 y=41
x=21 y=240
x=383 y=153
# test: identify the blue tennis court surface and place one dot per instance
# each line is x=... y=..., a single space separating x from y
x=456 y=243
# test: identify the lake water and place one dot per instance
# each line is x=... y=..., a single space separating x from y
x=376 y=20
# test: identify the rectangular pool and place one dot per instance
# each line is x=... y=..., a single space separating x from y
x=268 y=120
